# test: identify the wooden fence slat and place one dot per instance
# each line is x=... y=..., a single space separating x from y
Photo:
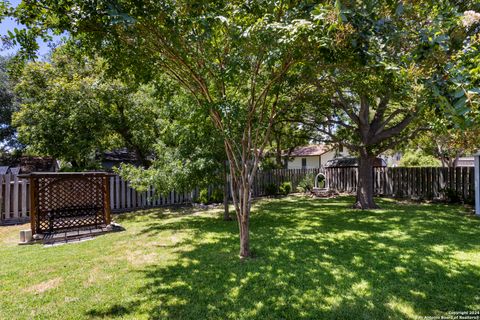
x=24 y=198
x=117 y=192
x=2 y=199
x=7 y=196
x=16 y=197
x=129 y=196
x=123 y=193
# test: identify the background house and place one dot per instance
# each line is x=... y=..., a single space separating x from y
x=116 y=158
x=313 y=156
x=465 y=162
x=348 y=162
x=38 y=164
x=28 y=164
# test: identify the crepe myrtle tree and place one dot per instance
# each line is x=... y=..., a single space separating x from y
x=233 y=57
x=382 y=66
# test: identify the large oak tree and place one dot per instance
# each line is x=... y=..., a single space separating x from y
x=382 y=65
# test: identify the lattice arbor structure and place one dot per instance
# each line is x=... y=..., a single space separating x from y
x=65 y=201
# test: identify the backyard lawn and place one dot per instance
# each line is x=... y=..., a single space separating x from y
x=313 y=259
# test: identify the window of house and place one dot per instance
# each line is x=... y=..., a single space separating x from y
x=304 y=163
x=340 y=149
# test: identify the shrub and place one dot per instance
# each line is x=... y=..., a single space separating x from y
x=270 y=189
x=469 y=200
x=452 y=196
x=300 y=189
x=285 y=188
x=216 y=196
x=307 y=183
x=203 y=196
x=418 y=159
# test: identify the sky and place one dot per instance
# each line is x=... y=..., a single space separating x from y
x=9 y=24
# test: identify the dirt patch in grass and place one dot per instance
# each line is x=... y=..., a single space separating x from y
x=95 y=276
x=45 y=285
x=10 y=235
x=140 y=258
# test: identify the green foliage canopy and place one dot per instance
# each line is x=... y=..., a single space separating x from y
x=71 y=109
x=8 y=105
x=418 y=158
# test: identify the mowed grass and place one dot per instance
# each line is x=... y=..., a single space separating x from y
x=314 y=259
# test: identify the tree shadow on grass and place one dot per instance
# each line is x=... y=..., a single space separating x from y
x=156 y=213
x=317 y=259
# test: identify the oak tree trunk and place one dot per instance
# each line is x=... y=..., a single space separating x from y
x=364 y=199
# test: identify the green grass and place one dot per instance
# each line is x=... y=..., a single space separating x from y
x=315 y=258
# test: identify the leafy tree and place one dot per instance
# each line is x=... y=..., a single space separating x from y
x=380 y=71
x=286 y=136
x=418 y=158
x=372 y=62
x=233 y=57
x=447 y=141
x=71 y=109
x=8 y=105
x=186 y=154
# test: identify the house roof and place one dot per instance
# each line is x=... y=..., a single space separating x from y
x=465 y=162
x=310 y=150
x=120 y=155
x=40 y=164
x=15 y=170
x=351 y=162
x=4 y=169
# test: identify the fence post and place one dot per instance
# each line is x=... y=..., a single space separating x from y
x=106 y=194
x=477 y=183
x=24 y=198
x=33 y=205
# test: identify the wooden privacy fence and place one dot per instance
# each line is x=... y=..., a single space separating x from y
x=426 y=183
x=277 y=177
x=15 y=198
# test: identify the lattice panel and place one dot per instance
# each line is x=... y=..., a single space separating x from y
x=69 y=202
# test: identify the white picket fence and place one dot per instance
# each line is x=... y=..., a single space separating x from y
x=15 y=198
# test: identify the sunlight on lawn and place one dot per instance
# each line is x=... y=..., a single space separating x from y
x=314 y=258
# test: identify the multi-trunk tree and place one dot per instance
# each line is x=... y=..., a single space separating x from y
x=233 y=57
x=366 y=66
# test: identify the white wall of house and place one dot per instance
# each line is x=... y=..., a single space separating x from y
x=314 y=162
x=296 y=163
